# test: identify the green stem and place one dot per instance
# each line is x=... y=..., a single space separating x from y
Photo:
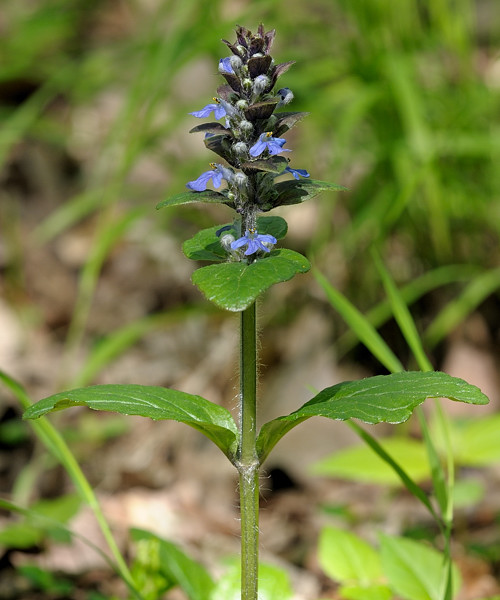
x=248 y=463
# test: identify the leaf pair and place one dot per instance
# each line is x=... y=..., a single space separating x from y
x=384 y=398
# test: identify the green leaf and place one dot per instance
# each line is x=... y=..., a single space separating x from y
x=477 y=441
x=149 y=401
x=216 y=128
x=176 y=566
x=235 y=286
x=414 y=570
x=286 y=121
x=347 y=558
x=208 y=197
x=274 y=583
x=274 y=164
x=20 y=536
x=205 y=245
x=361 y=463
x=295 y=192
x=372 y=592
x=384 y=398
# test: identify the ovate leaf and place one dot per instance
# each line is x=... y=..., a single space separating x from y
x=205 y=245
x=149 y=401
x=348 y=559
x=274 y=583
x=384 y=398
x=235 y=286
x=295 y=192
x=176 y=566
x=414 y=570
x=273 y=164
x=361 y=463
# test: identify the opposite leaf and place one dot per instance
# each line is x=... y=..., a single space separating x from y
x=208 y=197
x=235 y=286
x=295 y=192
x=414 y=570
x=384 y=398
x=205 y=245
x=149 y=401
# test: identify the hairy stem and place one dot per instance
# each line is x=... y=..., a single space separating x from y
x=248 y=464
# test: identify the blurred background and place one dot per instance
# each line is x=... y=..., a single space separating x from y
x=404 y=103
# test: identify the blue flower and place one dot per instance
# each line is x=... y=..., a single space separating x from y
x=225 y=65
x=200 y=184
x=254 y=241
x=297 y=172
x=217 y=108
x=267 y=142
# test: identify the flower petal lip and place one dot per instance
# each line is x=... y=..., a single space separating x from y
x=225 y=65
x=267 y=141
x=297 y=172
x=200 y=184
x=218 y=110
x=254 y=241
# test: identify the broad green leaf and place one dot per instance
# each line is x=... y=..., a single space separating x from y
x=295 y=192
x=348 y=559
x=205 y=245
x=216 y=128
x=20 y=536
x=361 y=463
x=235 y=286
x=414 y=570
x=477 y=442
x=208 y=197
x=176 y=566
x=468 y=492
x=384 y=398
x=149 y=401
x=286 y=121
x=274 y=583
x=372 y=592
x=274 y=164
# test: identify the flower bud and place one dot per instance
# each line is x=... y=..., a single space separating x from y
x=245 y=126
x=242 y=104
x=247 y=84
x=240 y=179
x=230 y=110
x=226 y=241
x=240 y=149
x=260 y=84
x=236 y=62
x=227 y=174
x=286 y=96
